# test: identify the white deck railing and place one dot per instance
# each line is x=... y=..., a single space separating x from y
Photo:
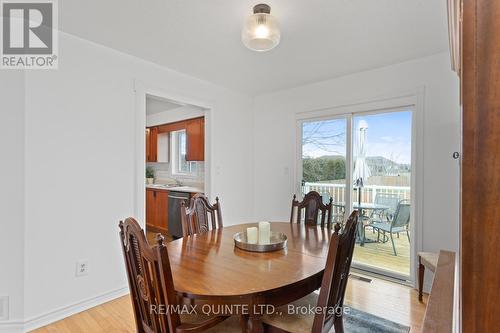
x=368 y=193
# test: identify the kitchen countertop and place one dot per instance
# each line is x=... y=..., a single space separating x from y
x=187 y=189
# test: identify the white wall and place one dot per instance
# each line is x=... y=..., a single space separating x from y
x=173 y=115
x=276 y=136
x=12 y=193
x=80 y=168
x=80 y=157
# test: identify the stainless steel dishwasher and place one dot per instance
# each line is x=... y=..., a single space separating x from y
x=174 y=212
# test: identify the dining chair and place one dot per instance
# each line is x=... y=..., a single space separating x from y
x=200 y=215
x=331 y=295
x=399 y=223
x=312 y=205
x=427 y=260
x=152 y=288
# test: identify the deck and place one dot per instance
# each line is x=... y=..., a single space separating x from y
x=380 y=255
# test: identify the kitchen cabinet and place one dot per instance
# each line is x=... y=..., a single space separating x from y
x=157 y=210
x=158 y=140
x=151 y=144
x=148 y=145
x=195 y=139
x=157 y=145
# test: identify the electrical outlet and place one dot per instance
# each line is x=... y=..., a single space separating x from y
x=4 y=307
x=82 y=267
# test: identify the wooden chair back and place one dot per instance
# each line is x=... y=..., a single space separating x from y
x=150 y=279
x=200 y=216
x=335 y=277
x=312 y=205
x=154 y=298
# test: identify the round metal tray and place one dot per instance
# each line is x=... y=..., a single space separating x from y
x=277 y=242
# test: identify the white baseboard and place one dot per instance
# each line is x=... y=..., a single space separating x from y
x=11 y=327
x=66 y=311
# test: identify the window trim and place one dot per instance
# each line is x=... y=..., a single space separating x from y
x=175 y=156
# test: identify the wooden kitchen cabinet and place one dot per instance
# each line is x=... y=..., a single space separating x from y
x=151 y=144
x=148 y=145
x=150 y=209
x=161 y=204
x=195 y=139
x=157 y=140
x=157 y=210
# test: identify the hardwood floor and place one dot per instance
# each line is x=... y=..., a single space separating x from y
x=389 y=300
x=380 y=254
x=112 y=317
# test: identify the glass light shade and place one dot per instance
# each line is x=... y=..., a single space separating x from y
x=261 y=32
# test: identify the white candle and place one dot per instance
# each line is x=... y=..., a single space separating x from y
x=264 y=232
x=252 y=235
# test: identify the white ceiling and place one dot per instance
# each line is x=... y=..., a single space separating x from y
x=155 y=104
x=320 y=39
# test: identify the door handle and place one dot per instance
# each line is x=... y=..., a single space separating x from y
x=174 y=197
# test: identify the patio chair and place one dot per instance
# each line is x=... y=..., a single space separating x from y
x=397 y=224
x=385 y=199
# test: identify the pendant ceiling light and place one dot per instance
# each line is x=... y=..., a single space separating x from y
x=261 y=31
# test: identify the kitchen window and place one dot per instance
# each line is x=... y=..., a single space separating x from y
x=179 y=149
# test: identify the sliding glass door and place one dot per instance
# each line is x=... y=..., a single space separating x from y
x=381 y=191
x=324 y=166
x=363 y=161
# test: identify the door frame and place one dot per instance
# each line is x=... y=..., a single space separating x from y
x=142 y=89
x=396 y=102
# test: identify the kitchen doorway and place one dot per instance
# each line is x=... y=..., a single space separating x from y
x=172 y=157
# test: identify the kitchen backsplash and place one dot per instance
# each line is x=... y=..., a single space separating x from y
x=163 y=171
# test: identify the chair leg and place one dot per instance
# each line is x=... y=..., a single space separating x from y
x=244 y=322
x=421 y=271
x=408 y=235
x=393 y=247
x=338 y=324
x=361 y=230
x=378 y=235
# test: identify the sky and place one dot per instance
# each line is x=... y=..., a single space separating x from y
x=388 y=135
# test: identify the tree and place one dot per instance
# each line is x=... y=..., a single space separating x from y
x=326 y=168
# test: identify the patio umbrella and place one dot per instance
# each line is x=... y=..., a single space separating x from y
x=361 y=169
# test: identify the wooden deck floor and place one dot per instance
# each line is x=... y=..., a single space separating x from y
x=382 y=298
x=380 y=255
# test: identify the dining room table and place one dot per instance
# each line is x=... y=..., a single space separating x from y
x=208 y=269
x=363 y=208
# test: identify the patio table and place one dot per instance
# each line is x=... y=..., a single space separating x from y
x=360 y=237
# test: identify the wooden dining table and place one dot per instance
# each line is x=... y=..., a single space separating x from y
x=208 y=267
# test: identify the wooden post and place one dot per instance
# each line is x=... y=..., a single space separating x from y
x=480 y=198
